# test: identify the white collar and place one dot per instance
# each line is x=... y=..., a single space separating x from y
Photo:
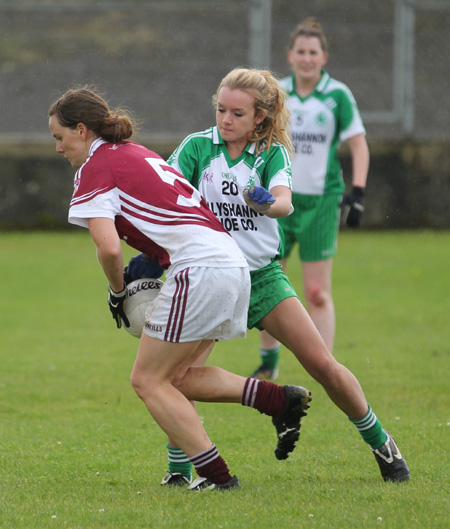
x=95 y=145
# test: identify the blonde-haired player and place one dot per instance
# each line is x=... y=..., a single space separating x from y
x=242 y=168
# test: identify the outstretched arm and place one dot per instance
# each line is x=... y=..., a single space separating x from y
x=274 y=204
x=282 y=205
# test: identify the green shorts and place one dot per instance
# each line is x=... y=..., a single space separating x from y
x=314 y=224
x=269 y=286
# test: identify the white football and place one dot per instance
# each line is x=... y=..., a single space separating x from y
x=140 y=294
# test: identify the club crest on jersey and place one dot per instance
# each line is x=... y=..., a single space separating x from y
x=76 y=182
x=207 y=177
x=321 y=119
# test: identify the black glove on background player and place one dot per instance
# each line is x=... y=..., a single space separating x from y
x=355 y=206
x=115 y=302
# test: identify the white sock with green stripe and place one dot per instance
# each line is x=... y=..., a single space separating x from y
x=370 y=429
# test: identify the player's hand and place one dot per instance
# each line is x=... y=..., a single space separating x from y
x=115 y=302
x=258 y=198
x=353 y=207
x=142 y=266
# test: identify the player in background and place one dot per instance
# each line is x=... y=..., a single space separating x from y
x=124 y=191
x=242 y=168
x=323 y=114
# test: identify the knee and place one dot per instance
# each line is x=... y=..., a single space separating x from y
x=147 y=384
x=136 y=384
x=140 y=384
x=327 y=373
x=315 y=295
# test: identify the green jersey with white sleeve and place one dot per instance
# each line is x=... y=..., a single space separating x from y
x=203 y=159
x=320 y=123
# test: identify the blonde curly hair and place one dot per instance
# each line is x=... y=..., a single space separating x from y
x=270 y=98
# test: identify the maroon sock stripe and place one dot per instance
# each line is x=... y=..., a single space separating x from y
x=209 y=464
x=249 y=393
x=205 y=457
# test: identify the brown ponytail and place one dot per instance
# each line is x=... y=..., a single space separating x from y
x=83 y=105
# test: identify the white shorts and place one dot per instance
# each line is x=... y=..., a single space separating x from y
x=200 y=303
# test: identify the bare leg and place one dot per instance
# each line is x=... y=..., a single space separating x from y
x=290 y=323
x=211 y=384
x=268 y=341
x=156 y=365
x=201 y=360
x=319 y=301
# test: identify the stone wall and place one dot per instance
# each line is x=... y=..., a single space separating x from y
x=408 y=185
x=164 y=60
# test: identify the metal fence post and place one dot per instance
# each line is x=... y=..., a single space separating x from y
x=260 y=25
x=404 y=78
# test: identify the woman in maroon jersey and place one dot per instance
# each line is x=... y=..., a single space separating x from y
x=125 y=191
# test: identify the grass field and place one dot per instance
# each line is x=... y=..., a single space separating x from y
x=79 y=450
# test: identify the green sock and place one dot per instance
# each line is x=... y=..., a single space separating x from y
x=179 y=462
x=270 y=357
x=370 y=429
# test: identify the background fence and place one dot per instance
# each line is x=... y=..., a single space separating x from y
x=165 y=59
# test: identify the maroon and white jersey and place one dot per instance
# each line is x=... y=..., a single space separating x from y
x=155 y=209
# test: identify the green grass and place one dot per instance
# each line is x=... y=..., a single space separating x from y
x=79 y=450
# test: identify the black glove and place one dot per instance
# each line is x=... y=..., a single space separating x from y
x=115 y=302
x=355 y=208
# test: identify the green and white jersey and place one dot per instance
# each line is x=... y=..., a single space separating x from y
x=203 y=159
x=320 y=122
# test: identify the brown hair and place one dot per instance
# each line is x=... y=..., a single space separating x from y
x=310 y=27
x=270 y=98
x=84 y=105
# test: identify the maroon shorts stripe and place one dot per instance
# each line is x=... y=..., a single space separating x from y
x=178 y=308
